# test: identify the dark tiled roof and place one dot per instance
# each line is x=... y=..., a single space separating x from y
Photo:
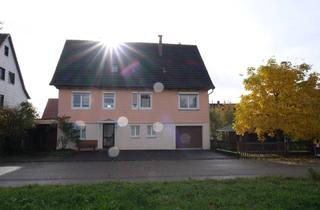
x=51 y=110
x=88 y=64
x=2 y=38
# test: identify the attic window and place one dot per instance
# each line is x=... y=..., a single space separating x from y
x=11 y=78
x=114 y=68
x=6 y=50
x=2 y=73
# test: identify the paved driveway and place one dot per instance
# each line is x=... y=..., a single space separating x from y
x=141 y=155
x=66 y=172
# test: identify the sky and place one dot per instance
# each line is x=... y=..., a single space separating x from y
x=231 y=35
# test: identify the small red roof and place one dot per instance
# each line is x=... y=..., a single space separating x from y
x=51 y=110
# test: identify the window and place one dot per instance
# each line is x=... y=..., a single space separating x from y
x=150 y=131
x=109 y=100
x=6 y=50
x=114 y=68
x=81 y=100
x=145 y=100
x=82 y=131
x=189 y=101
x=135 y=131
x=11 y=78
x=141 y=100
x=135 y=99
x=2 y=73
x=1 y=100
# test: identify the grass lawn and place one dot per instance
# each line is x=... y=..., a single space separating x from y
x=254 y=193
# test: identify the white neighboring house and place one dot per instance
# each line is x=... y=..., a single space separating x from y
x=12 y=89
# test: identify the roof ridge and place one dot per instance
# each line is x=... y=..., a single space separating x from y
x=151 y=43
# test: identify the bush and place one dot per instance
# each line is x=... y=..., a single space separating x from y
x=14 y=123
x=69 y=132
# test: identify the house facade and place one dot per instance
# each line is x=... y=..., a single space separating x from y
x=138 y=96
x=12 y=89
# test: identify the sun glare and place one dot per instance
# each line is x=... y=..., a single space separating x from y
x=111 y=43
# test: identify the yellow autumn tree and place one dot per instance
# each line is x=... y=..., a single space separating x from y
x=280 y=97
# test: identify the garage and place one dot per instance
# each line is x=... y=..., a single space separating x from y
x=189 y=137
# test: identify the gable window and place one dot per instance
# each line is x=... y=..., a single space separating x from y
x=82 y=131
x=109 y=100
x=11 y=78
x=150 y=131
x=2 y=74
x=6 y=50
x=188 y=101
x=141 y=100
x=114 y=68
x=81 y=100
x=1 y=100
x=135 y=131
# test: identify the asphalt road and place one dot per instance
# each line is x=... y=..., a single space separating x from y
x=67 y=172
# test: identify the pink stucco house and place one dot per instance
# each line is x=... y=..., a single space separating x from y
x=137 y=96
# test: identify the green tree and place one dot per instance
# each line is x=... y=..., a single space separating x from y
x=220 y=116
x=281 y=97
x=14 y=124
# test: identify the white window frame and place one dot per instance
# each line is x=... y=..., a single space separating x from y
x=135 y=132
x=139 y=100
x=85 y=92
x=133 y=107
x=188 y=105
x=114 y=100
x=153 y=132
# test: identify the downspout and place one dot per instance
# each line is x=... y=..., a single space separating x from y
x=210 y=92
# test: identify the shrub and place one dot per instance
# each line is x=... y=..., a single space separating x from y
x=14 y=123
x=69 y=132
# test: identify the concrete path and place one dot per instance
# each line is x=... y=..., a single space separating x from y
x=66 y=172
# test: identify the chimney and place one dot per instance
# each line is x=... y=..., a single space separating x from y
x=160 y=45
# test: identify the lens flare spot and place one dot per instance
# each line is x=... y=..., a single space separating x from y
x=185 y=138
x=132 y=67
x=80 y=123
x=113 y=151
x=158 y=127
x=158 y=87
x=122 y=121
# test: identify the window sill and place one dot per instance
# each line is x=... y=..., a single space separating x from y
x=79 y=108
x=135 y=137
x=188 y=109
x=108 y=108
x=151 y=137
